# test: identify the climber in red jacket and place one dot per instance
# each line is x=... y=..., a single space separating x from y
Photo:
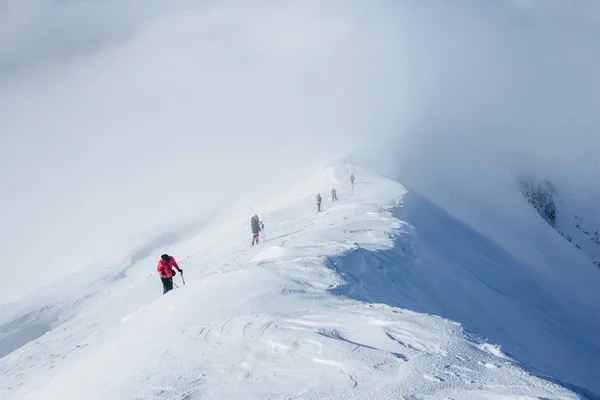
x=166 y=272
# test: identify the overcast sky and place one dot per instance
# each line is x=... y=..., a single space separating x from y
x=118 y=117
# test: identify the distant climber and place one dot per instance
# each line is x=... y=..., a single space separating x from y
x=318 y=198
x=166 y=271
x=352 y=179
x=256 y=225
x=333 y=194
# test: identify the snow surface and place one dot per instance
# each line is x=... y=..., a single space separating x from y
x=333 y=305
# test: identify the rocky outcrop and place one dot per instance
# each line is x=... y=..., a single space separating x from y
x=540 y=196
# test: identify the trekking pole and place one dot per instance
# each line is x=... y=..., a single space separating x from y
x=182 y=278
x=175 y=285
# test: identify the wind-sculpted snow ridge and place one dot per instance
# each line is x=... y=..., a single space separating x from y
x=296 y=317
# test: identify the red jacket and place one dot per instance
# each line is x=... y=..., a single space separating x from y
x=164 y=269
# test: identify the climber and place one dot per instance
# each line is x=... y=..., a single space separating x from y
x=255 y=224
x=166 y=271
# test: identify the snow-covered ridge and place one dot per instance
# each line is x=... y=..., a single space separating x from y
x=334 y=305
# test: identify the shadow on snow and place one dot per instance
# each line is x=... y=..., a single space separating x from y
x=438 y=265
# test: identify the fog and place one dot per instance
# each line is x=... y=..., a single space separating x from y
x=119 y=119
x=496 y=90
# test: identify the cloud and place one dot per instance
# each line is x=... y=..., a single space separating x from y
x=499 y=87
x=121 y=117
x=39 y=33
x=185 y=116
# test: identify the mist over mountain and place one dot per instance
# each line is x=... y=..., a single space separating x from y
x=118 y=119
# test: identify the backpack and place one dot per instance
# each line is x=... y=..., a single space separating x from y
x=254 y=223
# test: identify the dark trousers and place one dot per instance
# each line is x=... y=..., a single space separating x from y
x=167 y=284
x=319 y=207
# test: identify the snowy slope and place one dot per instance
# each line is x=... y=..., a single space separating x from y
x=313 y=313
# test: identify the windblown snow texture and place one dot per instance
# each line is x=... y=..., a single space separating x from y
x=381 y=296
